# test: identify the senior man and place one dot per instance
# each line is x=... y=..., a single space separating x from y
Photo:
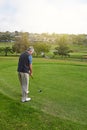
x=24 y=71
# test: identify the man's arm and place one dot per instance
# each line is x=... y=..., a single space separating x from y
x=30 y=71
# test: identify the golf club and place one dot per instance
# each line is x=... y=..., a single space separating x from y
x=29 y=85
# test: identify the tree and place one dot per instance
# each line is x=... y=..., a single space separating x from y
x=6 y=50
x=80 y=39
x=5 y=37
x=1 y=49
x=63 y=48
x=21 y=42
x=41 y=48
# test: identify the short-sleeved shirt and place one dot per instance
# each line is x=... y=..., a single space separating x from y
x=30 y=59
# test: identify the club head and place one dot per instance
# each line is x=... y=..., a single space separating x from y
x=40 y=91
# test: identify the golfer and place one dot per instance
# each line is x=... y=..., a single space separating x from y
x=24 y=71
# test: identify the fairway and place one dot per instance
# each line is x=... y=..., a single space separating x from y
x=58 y=91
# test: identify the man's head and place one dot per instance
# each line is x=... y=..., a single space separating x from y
x=30 y=50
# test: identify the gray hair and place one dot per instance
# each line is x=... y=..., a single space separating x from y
x=30 y=49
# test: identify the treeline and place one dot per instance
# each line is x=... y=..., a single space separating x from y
x=40 y=42
x=80 y=39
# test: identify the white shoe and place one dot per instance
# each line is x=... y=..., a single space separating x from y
x=27 y=99
x=23 y=100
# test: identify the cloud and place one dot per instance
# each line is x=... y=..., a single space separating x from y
x=65 y=16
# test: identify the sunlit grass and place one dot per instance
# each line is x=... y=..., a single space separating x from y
x=61 y=104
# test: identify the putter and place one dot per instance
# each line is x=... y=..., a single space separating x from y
x=29 y=84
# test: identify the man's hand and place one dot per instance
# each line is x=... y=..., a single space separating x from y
x=31 y=75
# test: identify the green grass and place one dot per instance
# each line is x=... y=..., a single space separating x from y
x=6 y=44
x=62 y=104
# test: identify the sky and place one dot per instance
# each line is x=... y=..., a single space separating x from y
x=44 y=16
